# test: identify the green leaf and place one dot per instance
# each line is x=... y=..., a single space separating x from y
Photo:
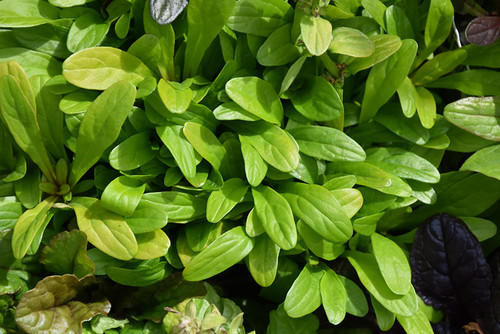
x=349 y=199
x=304 y=296
x=179 y=206
x=370 y=276
x=152 y=245
x=17 y=110
x=478 y=115
x=442 y=64
x=205 y=143
x=205 y=20
x=424 y=192
x=144 y=275
x=122 y=195
x=319 y=209
x=33 y=62
x=183 y=152
x=317 y=244
x=176 y=97
x=148 y=49
x=27 y=189
x=104 y=229
x=376 y=9
x=200 y=234
x=385 y=318
x=385 y=46
x=26 y=13
x=259 y=17
x=49 y=118
x=276 y=216
x=132 y=153
x=29 y=225
x=227 y=250
x=77 y=102
x=482 y=229
x=410 y=129
x=408 y=97
x=257 y=97
x=397 y=23
x=327 y=143
x=485 y=161
x=333 y=297
x=255 y=166
x=385 y=78
x=426 y=107
x=67 y=254
x=437 y=26
x=147 y=217
x=100 y=324
x=263 y=260
x=351 y=42
x=87 y=31
x=101 y=126
x=308 y=169
x=53 y=299
x=9 y=214
x=466 y=195
x=278 y=49
x=281 y=323
x=230 y=111
x=292 y=74
x=274 y=145
x=473 y=82
x=417 y=323
x=68 y=3
x=392 y=263
x=222 y=201
x=101 y=67
x=356 y=303
x=366 y=174
x=166 y=35
x=482 y=55
x=253 y=225
x=402 y=163
x=318 y=100
x=316 y=33
x=13 y=68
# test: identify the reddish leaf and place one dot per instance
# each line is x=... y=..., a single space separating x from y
x=484 y=30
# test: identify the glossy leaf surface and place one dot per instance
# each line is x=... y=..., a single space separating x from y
x=370 y=276
x=319 y=209
x=385 y=78
x=101 y=67
x=305 y=295
x=276 y=216
x=224 y=252
x=448 y=267
x=257 y=97
x=101 y=126
x=106 y=230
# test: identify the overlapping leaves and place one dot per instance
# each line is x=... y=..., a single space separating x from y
x=290 y=138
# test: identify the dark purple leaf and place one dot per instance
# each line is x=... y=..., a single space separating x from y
x=492 y=313
x=444 y=327
x=449 y=270
x=483 y=30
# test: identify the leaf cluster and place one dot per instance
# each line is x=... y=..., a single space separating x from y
x=294 y=145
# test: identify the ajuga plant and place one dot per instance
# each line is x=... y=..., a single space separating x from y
x=237 y=166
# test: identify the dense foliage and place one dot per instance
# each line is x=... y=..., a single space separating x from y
x=249 y=165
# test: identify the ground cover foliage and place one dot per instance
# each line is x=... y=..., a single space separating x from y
x=252 y=165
